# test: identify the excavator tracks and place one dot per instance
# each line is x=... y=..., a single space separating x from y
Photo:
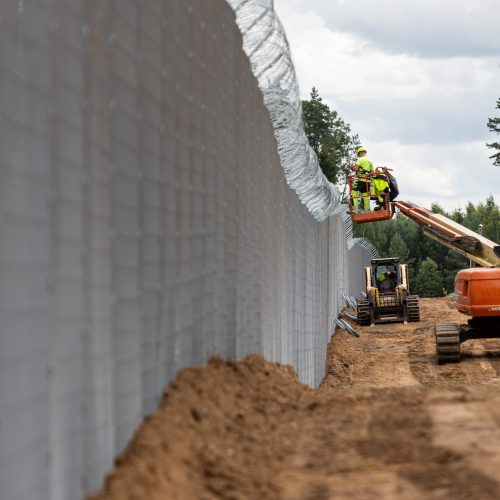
x=363 y=312
x=447 y=343
x=413 y=308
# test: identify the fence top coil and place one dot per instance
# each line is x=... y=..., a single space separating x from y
x=265 y=43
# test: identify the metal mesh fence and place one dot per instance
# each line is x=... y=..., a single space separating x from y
x=145 y=224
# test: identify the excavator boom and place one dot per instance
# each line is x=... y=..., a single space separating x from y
x=480 y=250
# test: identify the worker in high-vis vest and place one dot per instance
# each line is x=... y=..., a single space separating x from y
x=361 y=185
x=385 y=283
x=380 y=191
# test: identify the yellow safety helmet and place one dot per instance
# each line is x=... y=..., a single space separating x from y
x=360 y=150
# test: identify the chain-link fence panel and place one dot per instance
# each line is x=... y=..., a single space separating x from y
x=146 y=223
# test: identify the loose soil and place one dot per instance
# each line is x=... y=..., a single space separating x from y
x=386 y=423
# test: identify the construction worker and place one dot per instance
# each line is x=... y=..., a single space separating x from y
x=385 y=283
x=380 y=190
x=361 y=185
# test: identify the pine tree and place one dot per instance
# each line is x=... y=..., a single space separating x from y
x=494 y=126
x=398 y=248
x=453 y=262
x=428 y=282
x=330 y=137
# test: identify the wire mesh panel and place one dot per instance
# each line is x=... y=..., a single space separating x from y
x=27 y=280
x=156 y=208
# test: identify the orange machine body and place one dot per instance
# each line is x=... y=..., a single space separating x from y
x=478 y=291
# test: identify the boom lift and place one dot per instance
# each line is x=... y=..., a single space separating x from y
x=477 y=289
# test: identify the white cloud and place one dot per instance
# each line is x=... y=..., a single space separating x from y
x=351 y=68
x=423 y=116
x=347 y=63
x=426 y=27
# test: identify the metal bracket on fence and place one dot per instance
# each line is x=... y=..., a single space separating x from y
x=346 y=327
x=347 y=314
x=349 y=301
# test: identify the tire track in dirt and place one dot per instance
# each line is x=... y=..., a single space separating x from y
x=405 y=440
x=423 y=364
x=378 y=443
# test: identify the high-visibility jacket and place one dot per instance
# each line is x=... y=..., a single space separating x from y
x=365 y=166
x=380 y=184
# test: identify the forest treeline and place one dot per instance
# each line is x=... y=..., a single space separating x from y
x=432 y=266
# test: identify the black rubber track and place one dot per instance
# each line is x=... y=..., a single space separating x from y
x=413 y=307
x=363 y=312
x=447 y=343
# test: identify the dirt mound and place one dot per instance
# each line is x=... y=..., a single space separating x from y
x=387 y=422
x=220 y=432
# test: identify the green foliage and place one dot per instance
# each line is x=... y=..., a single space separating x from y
x=494 y=126
x=398 y=247
x=449 y=268
x=437 y=209
x=403 y=238
x=330 y=137
x=428 y=282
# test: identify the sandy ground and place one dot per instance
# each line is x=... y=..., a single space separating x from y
x=387 y=423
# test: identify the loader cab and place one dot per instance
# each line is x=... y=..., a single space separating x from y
x=386 y=280
x=386 y=274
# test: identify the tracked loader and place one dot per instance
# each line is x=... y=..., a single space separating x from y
x=388 y=297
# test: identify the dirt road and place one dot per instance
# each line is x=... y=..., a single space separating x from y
x=387 y=423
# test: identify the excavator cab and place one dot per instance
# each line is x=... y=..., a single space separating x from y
x=380 y=206
x=388 y=297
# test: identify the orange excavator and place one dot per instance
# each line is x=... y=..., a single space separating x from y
x=477 y=289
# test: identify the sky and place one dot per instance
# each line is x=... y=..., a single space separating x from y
x=416 y=80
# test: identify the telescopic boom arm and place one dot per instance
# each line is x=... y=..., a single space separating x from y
x=480 y=250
